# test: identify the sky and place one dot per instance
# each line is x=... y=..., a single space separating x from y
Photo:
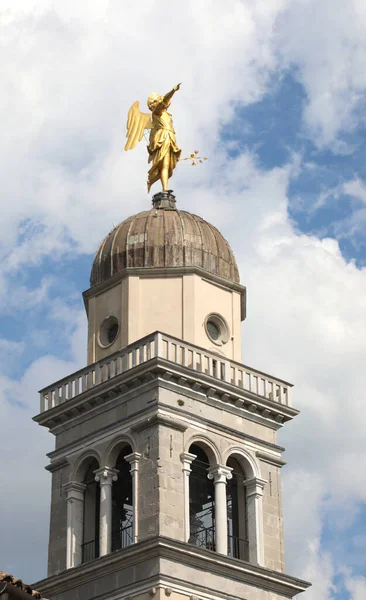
x=273 y=93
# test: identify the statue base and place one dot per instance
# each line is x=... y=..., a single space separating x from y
x=165 y=200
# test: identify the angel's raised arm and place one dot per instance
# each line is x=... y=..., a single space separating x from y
x=137 y=122
x=167 y=97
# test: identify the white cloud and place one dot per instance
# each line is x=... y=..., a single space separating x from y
x=24 y=503
x=325 y=43
x=356 y=586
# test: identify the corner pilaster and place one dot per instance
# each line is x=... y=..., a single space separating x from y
x=254 y=493
x=75 y=505
x=186 y=459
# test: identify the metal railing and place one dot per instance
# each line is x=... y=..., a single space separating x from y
x=159 y=345
x=203 y=538
x=122 y=538
x=237 y=547
x=88 y=551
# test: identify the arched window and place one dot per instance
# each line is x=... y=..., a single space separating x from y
x=237 y=520
x=90 y=545
x=122 y=504
x=201 y=502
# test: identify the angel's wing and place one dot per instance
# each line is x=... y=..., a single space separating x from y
x=137 y=122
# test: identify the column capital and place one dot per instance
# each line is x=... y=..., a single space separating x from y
x=187 y=459
x=255 y=486
x=74 y=490
x=220 y=473
x=133 y=460
x=106 y=475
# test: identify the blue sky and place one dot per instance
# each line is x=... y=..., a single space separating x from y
x=274 y=94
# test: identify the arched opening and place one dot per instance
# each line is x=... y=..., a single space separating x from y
x=237 y=514
x=90 y=545
x=122 y=503
x=201 y=501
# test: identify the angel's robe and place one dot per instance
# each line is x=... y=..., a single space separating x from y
x=162 y=142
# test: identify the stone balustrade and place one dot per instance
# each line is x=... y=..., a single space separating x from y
x=160 y=345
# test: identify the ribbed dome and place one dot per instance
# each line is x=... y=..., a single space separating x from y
x=164 y=238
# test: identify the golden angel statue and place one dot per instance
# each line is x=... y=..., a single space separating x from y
x=163 y=150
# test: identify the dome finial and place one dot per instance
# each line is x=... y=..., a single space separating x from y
x=164 y=200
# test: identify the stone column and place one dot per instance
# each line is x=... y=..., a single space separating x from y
x=75 y=509
x=254 y=492
x=187 y=460
x=105 y=476
x=133 y=459
x=220 y=474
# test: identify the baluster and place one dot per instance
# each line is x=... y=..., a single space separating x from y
x=84 y=383
x=112 y=366
x=217 y=369
x=279 y=393
x=157 y=344
x=69 y=390
x=63 y=392
x=276 y=392
x=97 y=374
x=206 y=361
x=227 y=371
x=288 y=396
x=42 y=404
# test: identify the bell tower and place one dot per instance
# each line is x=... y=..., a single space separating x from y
x=166 y=470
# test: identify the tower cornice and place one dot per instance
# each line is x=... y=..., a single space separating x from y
x=164 y=556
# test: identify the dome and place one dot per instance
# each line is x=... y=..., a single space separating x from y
x=164 y=238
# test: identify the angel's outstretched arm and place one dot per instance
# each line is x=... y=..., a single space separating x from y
x=167 y=97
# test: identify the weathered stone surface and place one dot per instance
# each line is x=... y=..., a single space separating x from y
x=164 y=238
x=135 y=571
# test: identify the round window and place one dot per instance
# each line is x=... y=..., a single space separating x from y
x=217 y=329
x=108 y=331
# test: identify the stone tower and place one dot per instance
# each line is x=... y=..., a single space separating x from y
x=166 y=471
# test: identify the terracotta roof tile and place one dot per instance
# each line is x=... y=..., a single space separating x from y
x=18 y=584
